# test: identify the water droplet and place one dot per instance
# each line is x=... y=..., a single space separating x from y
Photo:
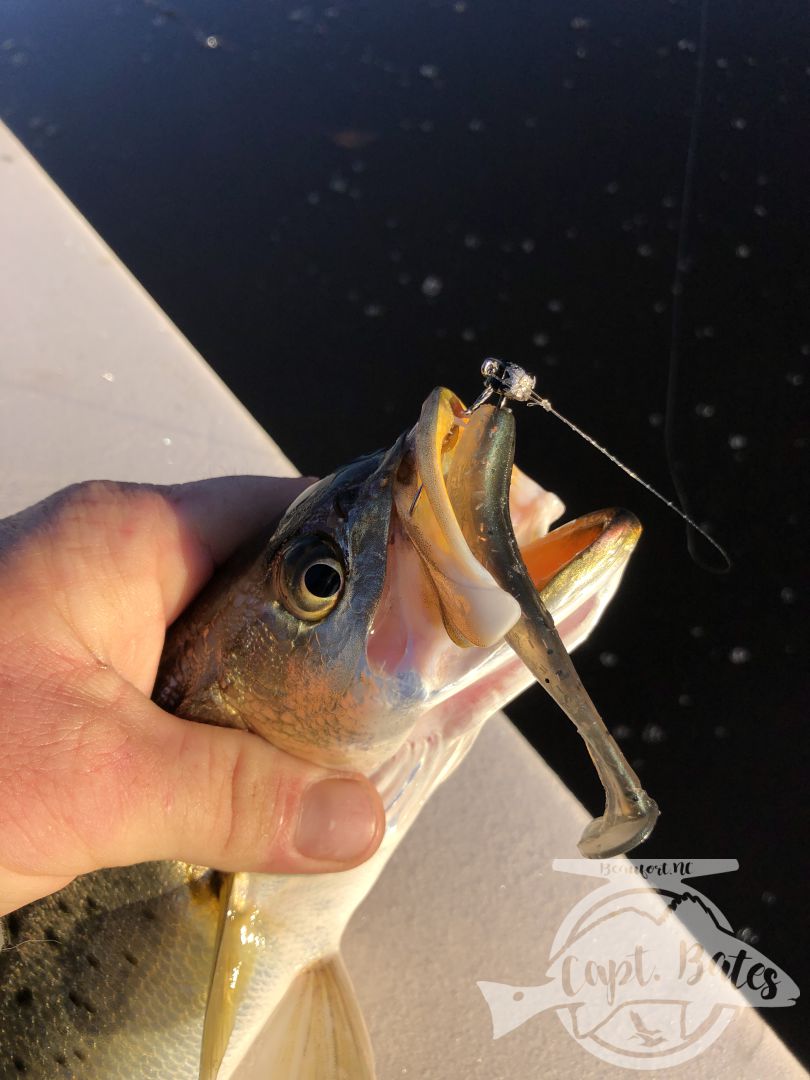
x=739 y=123
x=432 y=286
x=720 y=731
x=795 y=378
x=704 y=410
x=579 y=22
x=644 y=250
x=527 y=245
x=612 y=187
x=313 y=198
x=748 y=935
x=459 y=7
x=742 y=251
x=472 y=241
x=685 y=700
x=373 y=311
x=738 y=442
x=540 y=339
x=608 y=659
x=760 y=210
x=697 y=631
x=108 y=376
x=622 y=731
x=653 y=734
x=429 y=71
x=581 y=52
x=768 y=898
x=555 y=305
x=475 y=125
x=722 y=63
x=338 y=184
x=687 y=45
x=166 y=440
x=702 y=332
x=787 y=595
x=468 y=334
x=739 y=655
x=212 y=42
x=655 y=419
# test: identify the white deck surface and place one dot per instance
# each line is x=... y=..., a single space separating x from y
x=95 y=381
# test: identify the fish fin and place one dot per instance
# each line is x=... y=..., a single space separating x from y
x=317 y=1032
x=239 y=937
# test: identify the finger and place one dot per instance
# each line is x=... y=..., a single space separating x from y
x=215 y=517
x=228 y=799
x=118 y=562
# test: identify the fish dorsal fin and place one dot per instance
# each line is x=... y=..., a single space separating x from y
x=317 y=1032
x=239 y=938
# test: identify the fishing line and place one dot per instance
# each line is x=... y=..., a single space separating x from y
x=513 y=383
x=677 y=290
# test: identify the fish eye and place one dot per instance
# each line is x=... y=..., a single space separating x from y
x=310 y=577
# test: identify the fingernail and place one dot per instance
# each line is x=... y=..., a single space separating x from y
x=338 y=820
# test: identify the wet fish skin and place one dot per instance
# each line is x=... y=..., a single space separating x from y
x=240 y=658
x=75 y=962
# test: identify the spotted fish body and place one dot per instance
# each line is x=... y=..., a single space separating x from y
x=169 y=971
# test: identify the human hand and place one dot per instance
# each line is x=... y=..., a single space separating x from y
x=93 y=773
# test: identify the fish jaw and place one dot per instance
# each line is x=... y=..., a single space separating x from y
x=462 y=462
x=462 y=687
x=419 y=638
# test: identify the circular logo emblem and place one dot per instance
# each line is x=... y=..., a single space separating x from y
x=640 y=996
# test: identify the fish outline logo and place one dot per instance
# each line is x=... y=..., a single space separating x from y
x=644 y=977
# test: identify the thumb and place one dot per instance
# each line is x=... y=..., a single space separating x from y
x=229 y=799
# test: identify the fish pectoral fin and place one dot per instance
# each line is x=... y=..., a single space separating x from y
x=317 y=1032
x=239 y=937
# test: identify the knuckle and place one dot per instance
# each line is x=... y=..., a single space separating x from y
x=255 y=805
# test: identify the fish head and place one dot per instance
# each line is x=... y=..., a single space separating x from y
x=371 y=604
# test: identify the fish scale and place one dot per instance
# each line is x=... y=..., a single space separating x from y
x=74 y=962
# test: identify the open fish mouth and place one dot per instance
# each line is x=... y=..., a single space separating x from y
x=451 y=495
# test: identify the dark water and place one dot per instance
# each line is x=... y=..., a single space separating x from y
x=343 y=205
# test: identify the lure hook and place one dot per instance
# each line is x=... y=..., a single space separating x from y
x=513 y=383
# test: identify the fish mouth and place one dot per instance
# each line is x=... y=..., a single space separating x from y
x=451 y=494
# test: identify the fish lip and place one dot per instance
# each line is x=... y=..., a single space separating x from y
x=576 y=598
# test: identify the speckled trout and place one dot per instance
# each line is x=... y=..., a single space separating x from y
x=396 y=605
